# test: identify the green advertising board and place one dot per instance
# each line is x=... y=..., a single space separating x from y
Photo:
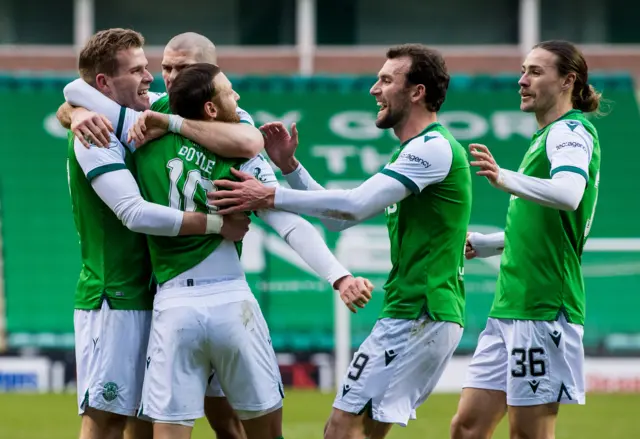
x=340 y=146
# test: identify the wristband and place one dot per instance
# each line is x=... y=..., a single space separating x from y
x=214 y=224
x=175 y=123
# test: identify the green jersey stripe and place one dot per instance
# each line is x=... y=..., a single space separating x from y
x=402 y=179
x=123 y=112
x=104 y=169
x=570 y=169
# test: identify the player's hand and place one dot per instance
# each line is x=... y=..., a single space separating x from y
x=280 y=145
x=90 y=127
x=245 y=195
x=235 y=226
x=479 y=245
x=469 y=251
x=485 y=161
x=354 y=291
x=149 y=126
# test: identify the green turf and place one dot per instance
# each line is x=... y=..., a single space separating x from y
x=607 y=416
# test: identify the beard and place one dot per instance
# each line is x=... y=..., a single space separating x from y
x=394 y=114
x=227 y=114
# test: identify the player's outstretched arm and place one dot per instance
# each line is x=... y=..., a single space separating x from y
x=416 y=168
x=280 y=146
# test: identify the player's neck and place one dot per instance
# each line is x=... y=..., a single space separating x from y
x=417 y=121
x=552 y=114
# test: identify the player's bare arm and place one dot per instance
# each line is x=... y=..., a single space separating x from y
x=225 y=139
x=89 y=127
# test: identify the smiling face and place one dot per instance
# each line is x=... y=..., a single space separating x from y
x=391 y=92
x=540 y=84
x=130 y=85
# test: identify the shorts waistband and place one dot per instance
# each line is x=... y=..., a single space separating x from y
x=195 y=282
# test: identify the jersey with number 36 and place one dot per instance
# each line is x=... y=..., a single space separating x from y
x=540 y=274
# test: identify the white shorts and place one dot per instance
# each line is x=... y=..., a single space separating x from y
x=397 y=367
x=200 y=330
x=111 y=347
x=533 y=362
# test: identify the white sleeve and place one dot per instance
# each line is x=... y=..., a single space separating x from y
x=260 y=168
x=120 y=192
x=487 y=245
x=359 y=204
x=244 y=116
x=95 y=161
x=307 y=242
x=80 y=94
x=300 y=179
x=563 y=191
x=569 y=148
x=425 y=160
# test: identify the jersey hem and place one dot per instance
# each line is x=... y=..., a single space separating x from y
x=416 y=315
x=542 y=318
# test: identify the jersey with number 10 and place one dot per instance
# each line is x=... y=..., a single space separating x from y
x=540 y=274
x=176 y=172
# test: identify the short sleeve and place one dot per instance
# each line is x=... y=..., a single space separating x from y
x=424 y=161
x=96 y=161
x=260 y=168
x=244 y=116
x=569 y=148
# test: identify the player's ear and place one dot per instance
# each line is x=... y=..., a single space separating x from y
x=101 y=81
x=418 y=93
x=210 y=110
x=569 y=80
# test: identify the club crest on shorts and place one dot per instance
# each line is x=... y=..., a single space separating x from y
x=110 y=391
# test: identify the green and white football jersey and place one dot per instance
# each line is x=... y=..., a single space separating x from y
x=540 y=272
x=428 y=229
x=115 y=260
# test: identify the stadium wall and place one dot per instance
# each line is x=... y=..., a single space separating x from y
x=243 y=60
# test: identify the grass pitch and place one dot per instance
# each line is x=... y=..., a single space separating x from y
x=605 y=416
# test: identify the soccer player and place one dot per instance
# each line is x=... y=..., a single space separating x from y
x=113 y=299
x=425 y=192
x=204 y=311
x=530 y=357
x=231 y=140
